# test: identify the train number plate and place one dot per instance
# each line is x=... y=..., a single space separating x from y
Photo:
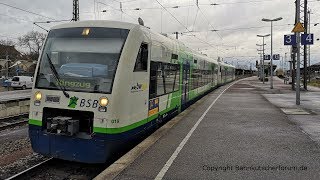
x=52 y=99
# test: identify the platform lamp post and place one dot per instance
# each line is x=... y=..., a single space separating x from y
x=271 y=66
x=263 y=36
x=261 y=57
x=260 y=69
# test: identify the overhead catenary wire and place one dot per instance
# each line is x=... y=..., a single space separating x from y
x=209 y=22
x=117 y=10
x=13 y=17
x=192 y=5
x=27 y=11
x=240 y=28
x=195 y=19
x=185 y=26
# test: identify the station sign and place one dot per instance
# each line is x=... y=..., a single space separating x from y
x=266 y=57
x=290 y=39
x=276 y=57
x=306 y=39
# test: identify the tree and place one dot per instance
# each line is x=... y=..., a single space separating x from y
x=7 y=42
x=33 y=42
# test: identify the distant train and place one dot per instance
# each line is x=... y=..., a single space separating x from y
x=101 y=84
x=280 y=73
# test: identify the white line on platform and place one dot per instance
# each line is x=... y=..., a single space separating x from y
x=184 y=141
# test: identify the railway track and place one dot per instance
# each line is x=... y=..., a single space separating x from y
x=13 y=121
x=59 y=169
x=23 y=173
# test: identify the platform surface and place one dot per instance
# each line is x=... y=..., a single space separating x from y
x=244 y=135
x=15 y=95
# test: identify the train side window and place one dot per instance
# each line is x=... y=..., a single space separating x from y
x=164 y=78
x=142 y=59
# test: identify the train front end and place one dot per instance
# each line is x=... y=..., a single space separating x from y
x=72 y=95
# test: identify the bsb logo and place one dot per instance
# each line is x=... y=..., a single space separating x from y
x=73 y=102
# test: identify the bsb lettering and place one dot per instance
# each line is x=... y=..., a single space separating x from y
x=89 y=103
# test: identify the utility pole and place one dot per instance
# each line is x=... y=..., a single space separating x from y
x=309 y=31
x=261 y=57
x=293 y=66
x=121 y=10
x=298 y=55
x=75 y=10
x=271 y=58
x=7 y=61
x=305 y=48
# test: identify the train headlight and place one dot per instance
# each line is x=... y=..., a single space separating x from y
x=103 y=101
x=38 y=96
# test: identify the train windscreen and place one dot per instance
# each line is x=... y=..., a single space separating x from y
x=85 y=59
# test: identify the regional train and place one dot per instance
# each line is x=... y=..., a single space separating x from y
x=102 y=84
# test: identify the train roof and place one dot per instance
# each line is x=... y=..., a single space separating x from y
x=227 y=65
x=125 y=25
x=97 y=23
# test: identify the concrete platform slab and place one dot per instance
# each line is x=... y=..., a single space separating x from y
x=294 y=111
x=242 y=136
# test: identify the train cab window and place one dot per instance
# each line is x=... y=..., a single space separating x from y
x=142 y=59
x=174 y=56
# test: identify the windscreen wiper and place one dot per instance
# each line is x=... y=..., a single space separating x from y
x=56 y=76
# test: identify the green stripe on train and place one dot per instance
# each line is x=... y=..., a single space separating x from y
x=119 y=130
x=35 y=122
x=129 y=127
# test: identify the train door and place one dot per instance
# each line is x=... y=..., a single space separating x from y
x=139 y=83
x=185 y=84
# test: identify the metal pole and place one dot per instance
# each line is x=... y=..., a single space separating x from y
x=271 y=66
x=309 y=70
x=7 y=60
x=94 y=9
x=263 y=60
x=285 y=63
x=298 y=58
x=305 y=52
x=260 y=64
x=75 y=10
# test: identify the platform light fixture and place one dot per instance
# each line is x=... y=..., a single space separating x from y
x=263 y=44
x=271 y=64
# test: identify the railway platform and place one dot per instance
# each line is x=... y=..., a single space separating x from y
x=243 y=130
x=6 y=96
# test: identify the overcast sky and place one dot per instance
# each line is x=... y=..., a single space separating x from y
x=237 y=21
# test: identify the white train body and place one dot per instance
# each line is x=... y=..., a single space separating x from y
x=120 y=80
